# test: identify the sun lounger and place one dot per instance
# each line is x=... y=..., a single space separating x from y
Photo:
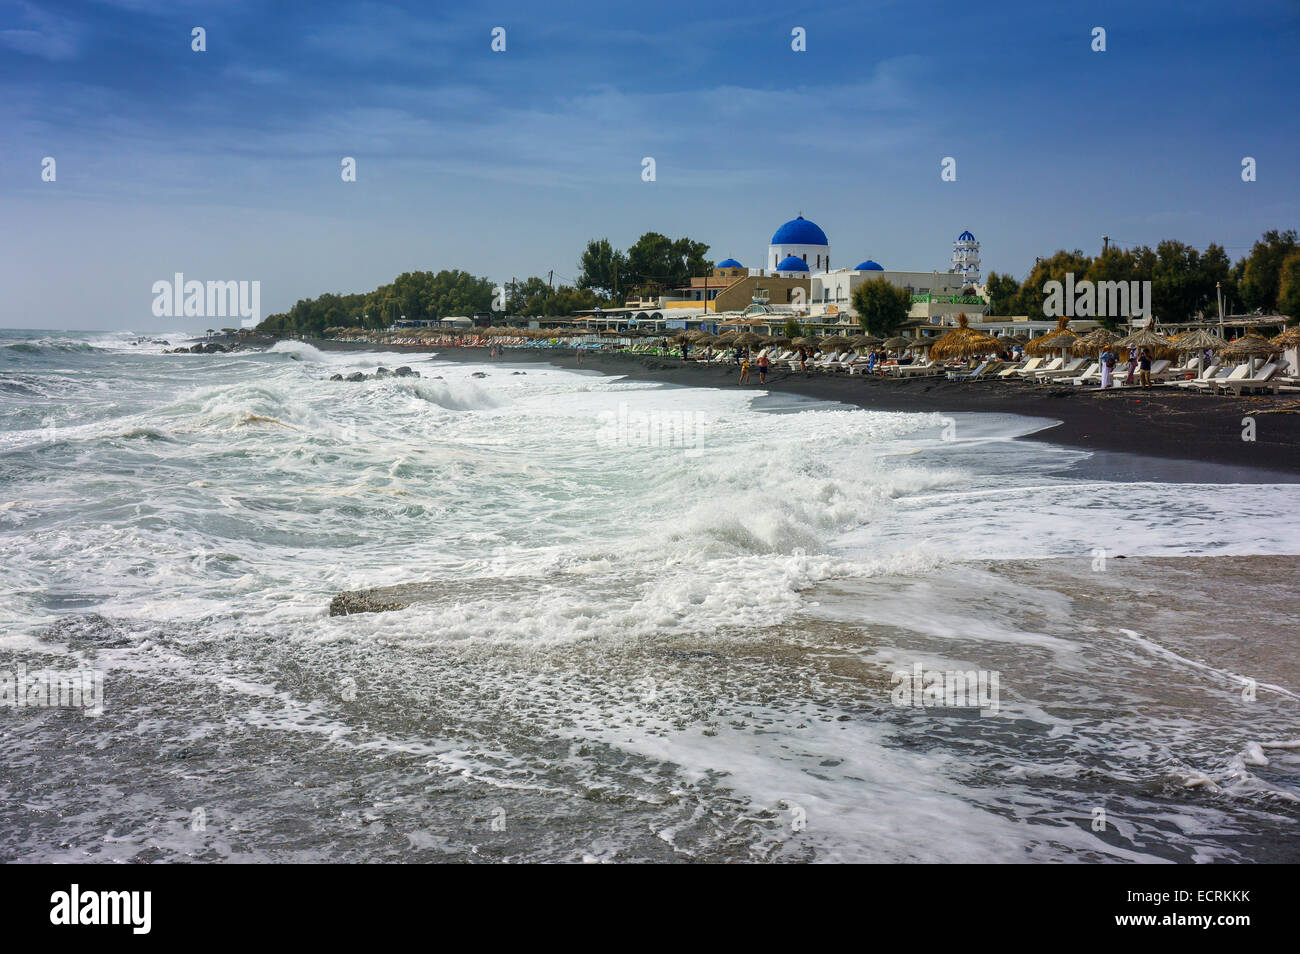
x=1202 y=378
x=971 y=375
x=1025 y=369
x=1064 y=371
x=1224 y=375
x=1093 y=373
x=1259 y=381
x=1027 y=373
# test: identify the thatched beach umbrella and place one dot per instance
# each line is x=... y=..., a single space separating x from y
x=748 y=339
x=1250 y=346
x=1199 y=341
x=897 y=343
x=835 y=341
x=1145 y=338
x=1062 y=340
x=1287 y=339
x=1094 y=342
x=963 y=342
x=806 y=342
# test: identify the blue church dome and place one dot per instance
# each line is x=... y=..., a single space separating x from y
x=870 y=266
x=799 y=232
x=793 y=263
x=965 y=237
x=729 y=263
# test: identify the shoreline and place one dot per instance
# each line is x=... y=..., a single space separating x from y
x=1164 y=434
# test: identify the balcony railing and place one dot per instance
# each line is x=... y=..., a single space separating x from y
x=948 y=299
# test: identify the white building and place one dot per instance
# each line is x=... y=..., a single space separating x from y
x=802 y=240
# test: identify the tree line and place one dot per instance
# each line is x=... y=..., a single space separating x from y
x=1183 y=279
x=607 y=276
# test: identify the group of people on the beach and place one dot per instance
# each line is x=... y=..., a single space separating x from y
x=1139 y=363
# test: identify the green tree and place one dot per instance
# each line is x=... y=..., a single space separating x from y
x=1002 y=290
x=1288 y=295
x=657 y=262
x=603 y=268
x=882 y=307
x=1260 y=272
x=1030 y=299
x=792 y=328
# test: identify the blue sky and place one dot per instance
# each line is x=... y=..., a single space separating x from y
x=225 y=164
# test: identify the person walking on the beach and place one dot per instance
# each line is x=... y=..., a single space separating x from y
x=1144 y=360
x=739 y=353
x=744 y=367
x=762 y=368
x=1107 y=367
x=686 y=351
x=1132 y=366
x=803 y=359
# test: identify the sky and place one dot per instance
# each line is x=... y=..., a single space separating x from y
x=226 y=164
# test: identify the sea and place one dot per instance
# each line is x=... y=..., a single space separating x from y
x=653 y=624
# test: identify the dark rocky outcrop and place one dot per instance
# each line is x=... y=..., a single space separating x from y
x=402 y=372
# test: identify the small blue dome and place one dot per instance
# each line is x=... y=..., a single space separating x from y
x=965 y=237
x=729 y=263
x=799 y=232
x=870 y=266
x=792 y=263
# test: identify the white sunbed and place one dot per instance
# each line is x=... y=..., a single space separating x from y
x=1260 y=380
x=1056 y=363
x=1224 y=375
x=1025 y=369
x=1093 y=373
x=1064 y=371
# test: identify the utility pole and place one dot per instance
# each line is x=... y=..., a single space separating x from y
x=1105 y=244
x=550 y=279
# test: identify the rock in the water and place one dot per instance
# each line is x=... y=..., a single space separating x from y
x=478 y=374
x=382 y=372
x=383 y=599
x=355 y=376
x=519 y=372
x=336 y=377
x=405 y=372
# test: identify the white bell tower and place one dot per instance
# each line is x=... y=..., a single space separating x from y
x=966 y=258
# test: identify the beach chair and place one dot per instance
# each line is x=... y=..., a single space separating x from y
x=1202 y=378
x=1209 y=385
x=1159 y=368
x=1093 y=373
x=1064 y=371
x=1027 y=372
x=1261 y=380
x=1025 y=369
x=968 y=375
x=921 y=370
